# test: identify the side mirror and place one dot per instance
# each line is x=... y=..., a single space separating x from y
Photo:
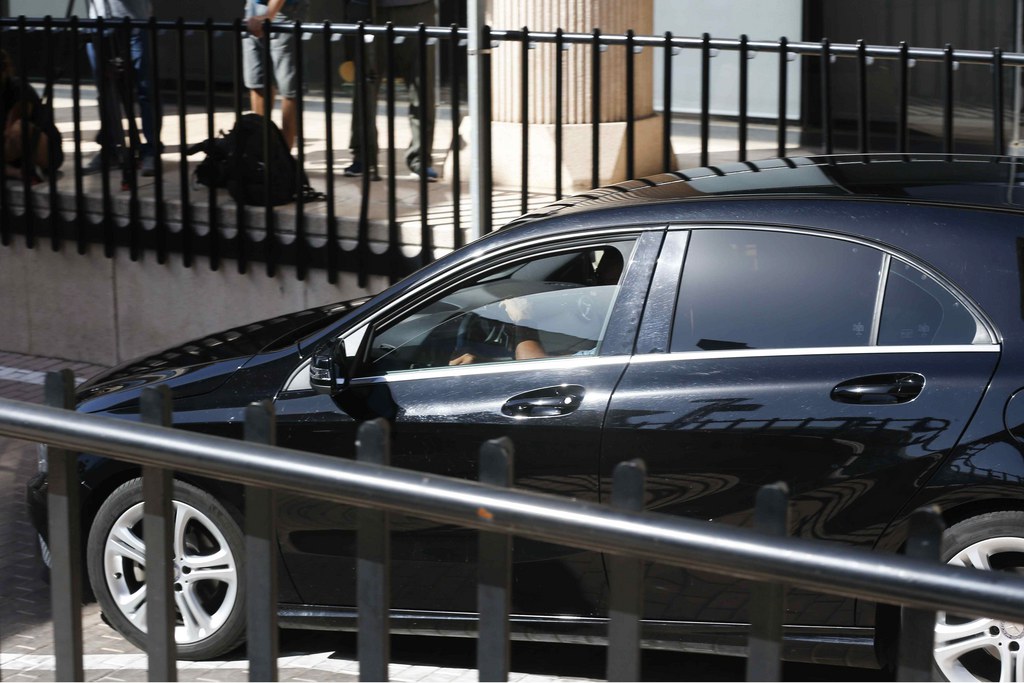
x=328 y=371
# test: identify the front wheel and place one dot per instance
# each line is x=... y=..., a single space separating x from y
x=970 y=649
x=209 y=591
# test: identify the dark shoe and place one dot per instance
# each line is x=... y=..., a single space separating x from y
x=148 y=166
x=431 y=174
x=356 y=171
x=95 y=165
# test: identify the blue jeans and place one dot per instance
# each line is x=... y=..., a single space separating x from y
x=113 y=89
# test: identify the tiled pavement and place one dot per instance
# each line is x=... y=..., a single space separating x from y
x=26 y=631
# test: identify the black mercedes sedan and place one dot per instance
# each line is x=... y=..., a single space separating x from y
x=851 y=325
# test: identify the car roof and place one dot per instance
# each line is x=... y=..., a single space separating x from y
x=987 y=182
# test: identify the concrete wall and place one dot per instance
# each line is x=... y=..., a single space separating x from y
x=99 y=310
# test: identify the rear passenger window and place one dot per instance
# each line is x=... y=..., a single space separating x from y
x=755 y=289
x=761 y=289
x=918 y=310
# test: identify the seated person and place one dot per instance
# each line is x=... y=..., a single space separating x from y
x=527 y=343
x=19 y=103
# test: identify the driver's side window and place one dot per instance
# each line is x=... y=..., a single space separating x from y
x=554 y=304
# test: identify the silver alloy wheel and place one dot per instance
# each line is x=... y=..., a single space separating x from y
x=205 y=572
x=981 y=649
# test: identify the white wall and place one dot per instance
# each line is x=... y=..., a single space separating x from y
x=759 y=20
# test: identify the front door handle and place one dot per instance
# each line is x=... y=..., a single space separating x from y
x=547 y=402
x=897 y=387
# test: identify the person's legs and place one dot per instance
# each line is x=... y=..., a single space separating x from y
x=111 y=134
x=365 y=134
x=141 y=52
x=289 y=120
x=282 y=53
x=418 y=75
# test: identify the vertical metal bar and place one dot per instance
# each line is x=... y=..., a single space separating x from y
x=486 y=168
x=493 y=653
x=947 y=99
x=744 y=77
x=158 y=531
x=365 y=111
x=705 y=98
x=862 y=98
x=81 y=218
x=524 y=120
x=261 y=555
x=630 y=111
x=559 y=133
x=5 y=214
x=826 y=96
x=301 y=243
x=667 y=162
x=595 y=110
x=426 y=234
x=780 y=141
x=54 y=219
x=103 y=86
x=241 y=215
x=767 y=600
x=159 y=207
x=903 y=127
x=28 y=215
x=373 y=446
x=332 y=223
x=456 y=109
x=625 y=603
x=64 y=537
x=478 y=92
x=269 y=217
x=917 y=628
x=394 y=234
x=130 y=160
x=998 y=140
x=187 y=226
x=213 y=206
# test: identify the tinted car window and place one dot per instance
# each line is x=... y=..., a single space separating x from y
x=918 y=310
x=751 y=289
x=560 y=301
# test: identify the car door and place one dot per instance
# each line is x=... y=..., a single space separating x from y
x=552 y=407
x=780 y=355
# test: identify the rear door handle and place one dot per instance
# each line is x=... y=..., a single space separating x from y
x=893 y=388
x=547 y=402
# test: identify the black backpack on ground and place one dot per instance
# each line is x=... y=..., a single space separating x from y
x=234 y=160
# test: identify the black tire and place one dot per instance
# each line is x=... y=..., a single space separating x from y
x=213 y=593
x=976 y=649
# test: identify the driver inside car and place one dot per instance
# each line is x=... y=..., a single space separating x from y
x=520 y=310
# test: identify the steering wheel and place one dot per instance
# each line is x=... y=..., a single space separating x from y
x=485 y=338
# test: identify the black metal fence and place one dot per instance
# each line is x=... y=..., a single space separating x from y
x=631 y=537
x=172 y=218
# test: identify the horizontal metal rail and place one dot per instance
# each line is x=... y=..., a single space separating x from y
x=832 y=569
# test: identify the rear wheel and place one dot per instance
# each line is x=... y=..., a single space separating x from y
x=968 y=649
x=209 y=590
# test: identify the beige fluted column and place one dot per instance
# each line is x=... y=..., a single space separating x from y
x=572 y=16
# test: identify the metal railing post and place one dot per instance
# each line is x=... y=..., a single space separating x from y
x=767 y=600
x=495 y=571
x=917 y=626
x=373 y=588
x=64 y=539
x=158 y=530
x=261 y=555
x=625 y=603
